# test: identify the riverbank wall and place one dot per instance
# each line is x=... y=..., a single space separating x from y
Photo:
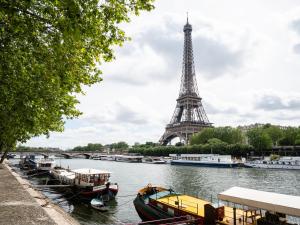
x=21 y=204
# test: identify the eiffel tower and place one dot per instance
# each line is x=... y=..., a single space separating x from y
x=189 y=116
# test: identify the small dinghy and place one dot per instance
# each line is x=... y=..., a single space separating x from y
x=98 y=204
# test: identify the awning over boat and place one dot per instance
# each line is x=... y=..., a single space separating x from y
x=287 y=204
x=88 y=171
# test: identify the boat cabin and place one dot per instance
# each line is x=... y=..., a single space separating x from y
x=202 y=157
x=261 y=207
x=91 y=177
x=45 y=164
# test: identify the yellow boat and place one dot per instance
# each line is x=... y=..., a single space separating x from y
x=155 y=203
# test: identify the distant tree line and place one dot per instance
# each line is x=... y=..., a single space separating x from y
x=119 y=146
x=22 y=148
x=241 y=141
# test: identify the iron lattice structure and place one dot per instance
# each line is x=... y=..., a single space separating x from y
x=189 y=116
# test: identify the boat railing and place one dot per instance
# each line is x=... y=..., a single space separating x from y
x=184 y=204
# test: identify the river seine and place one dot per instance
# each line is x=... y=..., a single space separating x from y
x=203 y=182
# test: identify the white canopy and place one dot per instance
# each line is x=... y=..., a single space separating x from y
x=287 y=204
x=88 y=171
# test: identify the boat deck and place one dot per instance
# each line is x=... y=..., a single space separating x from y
x=186 y=203
x=196 y=206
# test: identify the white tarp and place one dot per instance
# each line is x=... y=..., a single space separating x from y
x=287 y=204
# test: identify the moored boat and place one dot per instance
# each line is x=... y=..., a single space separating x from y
x=87 y=183
x=205 y=160
x=99 y=204
x=155 y=204
x=289 y=163
x=154 y=160
x=158 y=203
x=129 y=158
x=45 y=164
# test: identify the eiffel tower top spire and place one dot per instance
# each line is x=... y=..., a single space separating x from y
x=189 y=116
x=188 y=79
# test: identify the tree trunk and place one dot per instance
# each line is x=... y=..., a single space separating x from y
x=4 y=155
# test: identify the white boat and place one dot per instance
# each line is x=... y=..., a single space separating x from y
x=88 y=183
x=45 y=164
x=109 y=158
x=154 y=160
x=129 y=158
x=262 y=208
x=289 y=163
x=99 y=204
x=205 y=160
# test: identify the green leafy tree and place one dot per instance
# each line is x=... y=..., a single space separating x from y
x=289 y=136
x=259 y=139
x=119 y=145
x=275 y=133
x=226 y=134
x=48 y=51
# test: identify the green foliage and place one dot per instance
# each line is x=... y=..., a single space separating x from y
x=48 y=51
x=22 y=148
x=275 y=133
x=226 y=134
x=119 y=145
x=259 y=139
x=290 y=135
x=89 y=148
x=216 y=148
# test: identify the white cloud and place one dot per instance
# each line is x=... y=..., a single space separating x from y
x=246 y=68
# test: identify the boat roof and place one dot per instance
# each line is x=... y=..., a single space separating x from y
x=281 y=203
x=89 y=171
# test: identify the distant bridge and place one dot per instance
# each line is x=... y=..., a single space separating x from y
x=65 y=154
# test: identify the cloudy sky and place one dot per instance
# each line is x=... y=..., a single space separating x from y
x=247 y=59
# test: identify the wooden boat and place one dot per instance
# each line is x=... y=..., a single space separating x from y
x=87 y=183
x=156 y=203
x=205 y=160
x=99 y=204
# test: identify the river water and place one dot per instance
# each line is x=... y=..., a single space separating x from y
x=203 y=182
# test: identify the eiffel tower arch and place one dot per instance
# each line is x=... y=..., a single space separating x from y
x=189 y=116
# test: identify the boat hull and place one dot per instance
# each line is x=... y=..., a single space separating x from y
x=146 y=212
x=270 y=166
x=204 y=164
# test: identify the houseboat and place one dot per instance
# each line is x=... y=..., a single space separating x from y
x=157 y=204
x=261 y=207
x=153 y=160
x=129 y=158
x=289 y=163
x=36 y=165
x=88 y=183
x=205 y=160
x=45 y=164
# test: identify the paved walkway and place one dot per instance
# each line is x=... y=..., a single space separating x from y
x=22 y=205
